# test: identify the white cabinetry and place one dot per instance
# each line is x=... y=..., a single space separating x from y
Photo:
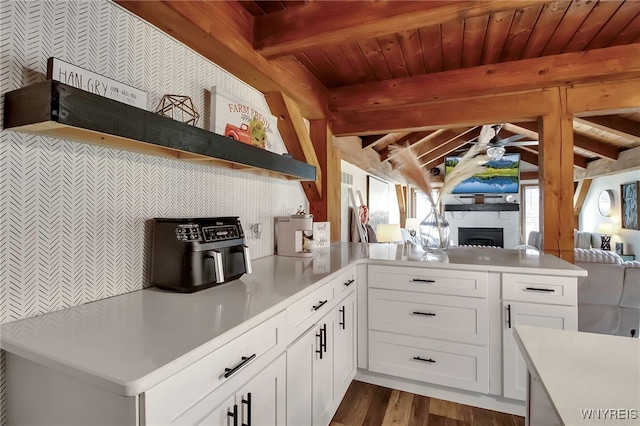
x=538 y=300
x=322 y=362
x=204 y=392
x=429 y=325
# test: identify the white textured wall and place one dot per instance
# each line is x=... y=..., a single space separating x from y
x=72 y=215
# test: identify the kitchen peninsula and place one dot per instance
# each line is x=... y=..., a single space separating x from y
x=154 y=356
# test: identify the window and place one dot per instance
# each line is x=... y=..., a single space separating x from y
x=530 y=209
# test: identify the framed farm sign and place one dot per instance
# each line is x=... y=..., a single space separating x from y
x=238 y=120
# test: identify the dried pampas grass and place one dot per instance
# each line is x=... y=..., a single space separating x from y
x=471 y=163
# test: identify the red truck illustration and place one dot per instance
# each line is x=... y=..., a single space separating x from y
x=238 y=133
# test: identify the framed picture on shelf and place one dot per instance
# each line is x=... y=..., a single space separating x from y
x=629 y=193
x=378 y=201
x=620 y=248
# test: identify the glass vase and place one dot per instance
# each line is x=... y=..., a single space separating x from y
x=434 y=231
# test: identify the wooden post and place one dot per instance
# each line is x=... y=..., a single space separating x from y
x=327 y=208
x=556 y=176
x=581 y=191
x=402 y=205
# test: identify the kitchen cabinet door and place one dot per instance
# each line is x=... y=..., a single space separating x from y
x=550 y=316
x=310 y=395
x=345 y=340
x=262 y=400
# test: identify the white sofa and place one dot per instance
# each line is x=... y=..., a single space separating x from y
x=609 y=297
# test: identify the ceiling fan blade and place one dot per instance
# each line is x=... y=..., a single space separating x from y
x=513 y=138
x=524 y=143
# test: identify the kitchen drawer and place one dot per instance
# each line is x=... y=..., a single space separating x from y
x=259 y=346
x=540 y=288
x=305 y=312
x=432 y=361
x=345 y=282
x=452 y=318
x=427 y=280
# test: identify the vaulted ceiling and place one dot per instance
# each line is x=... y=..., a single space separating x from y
x=389 y=73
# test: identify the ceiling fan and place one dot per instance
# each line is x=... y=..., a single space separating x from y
x=496 y=145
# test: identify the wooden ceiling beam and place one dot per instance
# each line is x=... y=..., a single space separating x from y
x=435 y=157
x=408 y=141
x=221 y=31
x=605 y=98
x=448 y=135
x=297 y=139
x=458 y=113
x=628 y=160
x=319 y=24
x=614 y=124
x=602 y=150
x=528 y=74
x=527 y=155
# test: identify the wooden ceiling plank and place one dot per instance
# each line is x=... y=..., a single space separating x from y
x=630 y=34
x=317 y=24
x=452 y=36
x=218 y=31
x=497 y=31
x=614 y=124
x=573 y=18
x=325 y=69
x=521 y=29
x=466 y=112
x=611 y=63
x=606 y=98
x=602 y=12
x=390 y=47
x=548 y=22
x=388 y=139
x=618 y=22
x=526 y=155
x=356 y=58
x=341 y=65
x=431 y=40
x=429 y=145
x=373 y=54
x=411 y=48
x=408 y=140
x=474 y=31
x=296 y=138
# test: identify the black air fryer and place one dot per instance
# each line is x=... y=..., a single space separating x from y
x=191 y=254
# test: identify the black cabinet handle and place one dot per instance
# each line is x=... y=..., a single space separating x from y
x=417 y=358
x=248 y=402
x=343 y=318
x=319 y=350
x=319 y=305
x=324 y=339
x=428 y=314
x=550 y=290
x=422 y=280
x=348 y=283
x=509 y=316
x=234 y=414
x=229 y=371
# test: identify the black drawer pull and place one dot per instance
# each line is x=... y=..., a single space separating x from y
x=229 y=371
x=343 y=318
x=348 y=283
x=550 y=290
x=319 y=305
x=417 y=358
x=422 y=280
x=428 y=314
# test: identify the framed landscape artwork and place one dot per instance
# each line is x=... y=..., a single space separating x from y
x=629 y=193
x=378 y=201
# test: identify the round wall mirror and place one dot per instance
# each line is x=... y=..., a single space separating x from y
x=605 y=201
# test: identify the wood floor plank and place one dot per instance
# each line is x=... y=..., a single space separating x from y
x=451 y=410
x=378 y=407
x=372 y=405
x=420 y=411
x=398 y=409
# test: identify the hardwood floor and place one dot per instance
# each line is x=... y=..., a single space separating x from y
x=372 y=405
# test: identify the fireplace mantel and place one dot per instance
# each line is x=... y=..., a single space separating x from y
x=489 y=207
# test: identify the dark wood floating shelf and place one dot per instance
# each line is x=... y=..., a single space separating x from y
x=488 y=207
x=55 y=109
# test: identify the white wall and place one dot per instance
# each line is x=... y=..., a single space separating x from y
x=590 y=218
x=74 y=217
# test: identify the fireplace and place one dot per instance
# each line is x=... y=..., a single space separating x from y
x=481 y=237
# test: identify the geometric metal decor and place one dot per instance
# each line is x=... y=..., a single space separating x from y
x=179 y=108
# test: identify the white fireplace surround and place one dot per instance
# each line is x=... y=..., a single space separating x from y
x=509 y=221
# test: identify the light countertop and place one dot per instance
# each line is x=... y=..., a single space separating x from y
x=128 y=343
x=582 y=371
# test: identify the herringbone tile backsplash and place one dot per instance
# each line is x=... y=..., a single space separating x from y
x=73 y=216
